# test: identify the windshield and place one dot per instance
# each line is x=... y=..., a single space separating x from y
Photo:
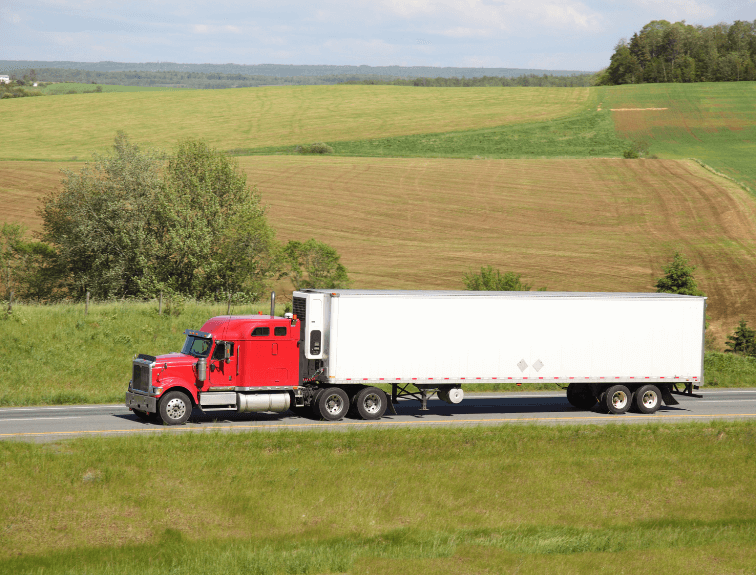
x=197 y=346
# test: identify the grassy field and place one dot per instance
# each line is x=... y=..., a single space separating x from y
x=585 y=134
x=61 y=356
x=569 y=499
x=714 y=122
x=61 y=128
x=64 y=88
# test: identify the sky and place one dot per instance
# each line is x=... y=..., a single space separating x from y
x=541 y=34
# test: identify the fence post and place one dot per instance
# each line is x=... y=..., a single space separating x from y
x=10 y=302
x=160 y=303
x=228 y=310
x=86 y=305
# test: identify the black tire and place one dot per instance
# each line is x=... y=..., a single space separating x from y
x=647 y=399
x=370 y=403
x=617 y=399
x=580 y=396
x=332 y=404
x=175 y=408
x=146 y=415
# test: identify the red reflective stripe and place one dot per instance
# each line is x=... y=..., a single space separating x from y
x=380 y=378
x=364 y=379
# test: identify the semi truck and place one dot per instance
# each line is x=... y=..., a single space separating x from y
x=362 y=351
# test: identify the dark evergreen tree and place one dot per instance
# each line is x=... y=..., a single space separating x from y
x=678 y=278
x=743 y=341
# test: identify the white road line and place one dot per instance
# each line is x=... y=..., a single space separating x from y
x=38 y=418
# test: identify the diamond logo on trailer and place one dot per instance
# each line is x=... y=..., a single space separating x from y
x=538 y=365
x=522 y=364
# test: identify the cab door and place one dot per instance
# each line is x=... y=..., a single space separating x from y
x=268 y=362
x=222 y=368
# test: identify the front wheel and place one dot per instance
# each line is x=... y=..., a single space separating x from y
x=175 y=408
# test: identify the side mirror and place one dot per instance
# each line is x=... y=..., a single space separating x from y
x=227 y=353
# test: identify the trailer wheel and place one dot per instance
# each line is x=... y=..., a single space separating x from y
x=580 y=396
x=617 y=399
x=370 y=403
x=332 y=404
x=175 y=408
x=647 y=399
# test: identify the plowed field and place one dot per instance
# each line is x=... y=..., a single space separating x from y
x=573 y=225
x=61 y=127
x=21 y=186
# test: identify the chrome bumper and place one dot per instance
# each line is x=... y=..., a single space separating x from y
x=141 y=402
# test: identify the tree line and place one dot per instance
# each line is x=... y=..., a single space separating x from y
x=680 y=52
x=208 y=80
x=545 y=80
x=134 y=223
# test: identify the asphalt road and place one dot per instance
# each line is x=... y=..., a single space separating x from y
x=54 y=423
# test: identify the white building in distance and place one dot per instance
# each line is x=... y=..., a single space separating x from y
x=5 y=79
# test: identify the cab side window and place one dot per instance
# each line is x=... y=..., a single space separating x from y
x=261 y=332
x=220 y=349
x=281 y=330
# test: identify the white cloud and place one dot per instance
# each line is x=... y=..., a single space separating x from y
x=676 y=10
x=489 y=16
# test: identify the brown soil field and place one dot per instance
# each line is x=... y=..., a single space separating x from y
x=571 y=225
x=22 y=184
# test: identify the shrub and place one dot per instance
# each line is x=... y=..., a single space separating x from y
x=315 y=148
x=490 y=279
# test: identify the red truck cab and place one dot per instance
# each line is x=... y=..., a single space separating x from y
x=234 y=363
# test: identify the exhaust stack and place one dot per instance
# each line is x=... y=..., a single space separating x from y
x=272 y=304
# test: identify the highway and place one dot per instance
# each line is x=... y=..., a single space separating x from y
x=52 y=423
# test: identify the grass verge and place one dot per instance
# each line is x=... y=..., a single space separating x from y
x=439 y=500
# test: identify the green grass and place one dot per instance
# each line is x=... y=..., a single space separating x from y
x=547 y=499
x=585 y=134
x=713 y=122
x=246 y=118
x=60 y=356
x=65 y=88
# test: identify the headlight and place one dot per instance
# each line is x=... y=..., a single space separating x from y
x=157 y=390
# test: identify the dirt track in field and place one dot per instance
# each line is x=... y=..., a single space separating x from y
x=576 y=225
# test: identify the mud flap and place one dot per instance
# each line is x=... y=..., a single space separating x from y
x=390 y=408
x=667 y=396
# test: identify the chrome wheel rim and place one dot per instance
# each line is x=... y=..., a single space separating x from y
x=649 y=399
x=619 y=399
x=372 y=403
x=334 y=404
x=176 y=408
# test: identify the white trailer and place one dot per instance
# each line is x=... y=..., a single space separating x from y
x=620 y=350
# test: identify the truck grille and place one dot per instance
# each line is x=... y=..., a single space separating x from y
x=299 y=308
x=141 y=377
